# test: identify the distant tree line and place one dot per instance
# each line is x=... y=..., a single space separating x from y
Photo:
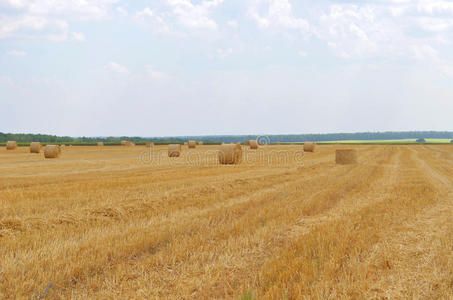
x=284 y=138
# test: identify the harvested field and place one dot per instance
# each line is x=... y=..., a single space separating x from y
x=126 y=222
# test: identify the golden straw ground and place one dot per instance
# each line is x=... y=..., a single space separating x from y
x=108 y=224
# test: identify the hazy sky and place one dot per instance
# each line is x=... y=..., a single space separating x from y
x=187 y=67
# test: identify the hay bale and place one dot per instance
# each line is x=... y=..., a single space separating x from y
x=200 y=143
x=192 y=144
x=35 y=147
x=346 y=156
x=247 y=143
x=52 y=151
x=11 y=145
x=149 y=144
x=185 y=143
x=230 y=154
x=100 y=144
x=309 y=147
x=253 y=144
x=123 y=143
x=127 y=144
x=174 y=150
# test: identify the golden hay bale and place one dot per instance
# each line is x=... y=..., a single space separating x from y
x=309 y=147
x=52 y=151
x=346 y=156
x=192 y=144
x=247 y=143
x=127 y=143
x=149 y=144
x=174 y=150
x=230 y=154
x=35 y=147
x=11 y=145
x=200 y=143
x=100 y=144
x=253 y=144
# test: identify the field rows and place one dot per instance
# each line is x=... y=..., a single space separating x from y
x=111 y=223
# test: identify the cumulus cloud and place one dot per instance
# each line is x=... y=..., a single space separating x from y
x=194 y=15
x=116 y=67
x=278 y=14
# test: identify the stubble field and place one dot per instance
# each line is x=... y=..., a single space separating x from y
x=120 y=222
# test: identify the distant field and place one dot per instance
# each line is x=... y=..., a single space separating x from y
x=402 y=141
x=126 y=223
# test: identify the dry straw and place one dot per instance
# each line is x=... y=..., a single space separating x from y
x=253 y=144
x=123 y=143
x=11 y=145
x=52 y=151
x=192 y=144
x=309 y=147
x=100 y=144
x=247 y=143
x=230 y=154
x=346 y=156
x=35 y=147
x=200 y=143
x=174 y=150
x=127 y=143
x=149 y=144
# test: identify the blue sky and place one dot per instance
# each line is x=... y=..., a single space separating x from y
x=186 y=67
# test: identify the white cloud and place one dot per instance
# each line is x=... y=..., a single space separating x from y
x=122 y=11
x=154 y=74
x=146 y=12
x=425 y=52
x=194 y=15
x=279 y=14
x=48 y=19
x=116 y=67
x=16 y=53
x=79 y=37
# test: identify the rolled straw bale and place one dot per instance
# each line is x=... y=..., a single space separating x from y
x=52 y=151
x=346 y=156
x=185 y=143
x=309 y=147
x=192 y=144
x=230 y=154
x=11 y=145
x=247 y=143
x=100 y=144
x=174 y=150
x=200 y=143
x=149 y=144
x=253 y=144
x=35 y=147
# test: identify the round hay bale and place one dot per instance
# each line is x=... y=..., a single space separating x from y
x=200 y=143
x=230 y=154
x=346 y=156
x=309 y=147
x=100 y=144
x=192 y=144
x=52 y=151
x=253 y=144
x=247 y=143
x=35 y=147
x=174 y=150
x=11 y=145
x=149 y=144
